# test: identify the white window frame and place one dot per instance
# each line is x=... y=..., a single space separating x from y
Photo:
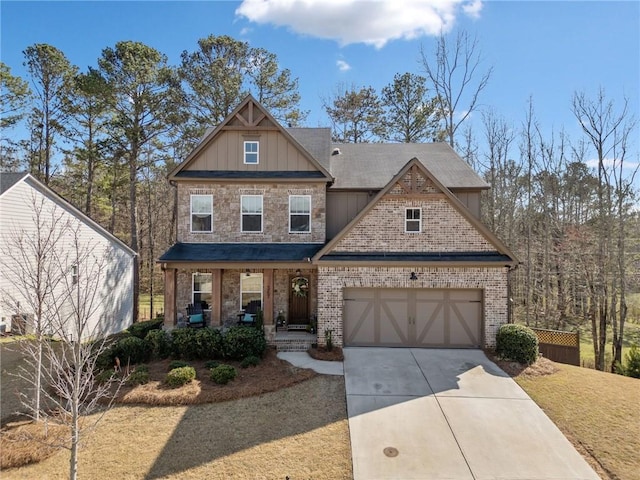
x=247 y=152
x=194 y=291
x=201 y=213
x=242 y=214
x=308 y=197
x=407 y=220
x=243 y=277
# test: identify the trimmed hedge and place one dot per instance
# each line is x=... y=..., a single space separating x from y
x=517 y=343
x=222 y=374
x=180 y=376
x=250 y=362
x=131 y=350
x=173 y=364
x=160 y=343
x=141 y=329
x=241 y=342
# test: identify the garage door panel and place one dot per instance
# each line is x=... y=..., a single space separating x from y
x=413 y=317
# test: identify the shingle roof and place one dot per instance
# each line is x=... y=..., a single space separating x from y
x=316 y=141
x=373 y=165
x=240 y=252
x=237 y=174
x=473 y=257
x=8 y=180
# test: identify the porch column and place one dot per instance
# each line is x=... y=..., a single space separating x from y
x=268 y=296
x=216 y=296
x=170 y=319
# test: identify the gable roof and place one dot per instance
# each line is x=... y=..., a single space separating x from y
x=457 y=204
x=9 y=179
x=260 y=115
x=61 y=202
x=372 y=165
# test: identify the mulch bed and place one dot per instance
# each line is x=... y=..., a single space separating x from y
x=270 y=375
x=321 y=353
x=541 y=367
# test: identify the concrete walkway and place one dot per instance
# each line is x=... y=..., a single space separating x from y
x=303 y=360
x=448 y=414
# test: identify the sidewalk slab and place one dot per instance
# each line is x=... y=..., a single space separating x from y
x=303 y=360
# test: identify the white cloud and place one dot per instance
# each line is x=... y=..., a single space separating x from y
x=613 y=162
x=343 y=66
x=373 y=22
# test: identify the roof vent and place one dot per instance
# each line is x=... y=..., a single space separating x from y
x=336 y=151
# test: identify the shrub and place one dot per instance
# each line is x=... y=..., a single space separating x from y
x=241 y=342
x=251 y=361
x=632 y=368
x=222 y=374
x=209 y=343
x=160 y=343
x=184 y=343
x=141 y=329
x=517 y=343
x=105 y=376
x=180 y=376
x=209 y=364
x=139 y=376
x=131 y=350
x=173 y=364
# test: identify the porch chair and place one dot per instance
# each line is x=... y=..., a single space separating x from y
x=249 y=316
x=195 y=316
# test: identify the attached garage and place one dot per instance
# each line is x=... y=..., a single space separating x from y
x=412 y=317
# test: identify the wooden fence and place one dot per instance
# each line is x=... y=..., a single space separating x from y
x=562 y=347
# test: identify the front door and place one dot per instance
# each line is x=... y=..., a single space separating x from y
x=298 y=300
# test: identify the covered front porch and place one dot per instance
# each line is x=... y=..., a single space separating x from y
x=231 y=281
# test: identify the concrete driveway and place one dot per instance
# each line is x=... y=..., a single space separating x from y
x=448 y=414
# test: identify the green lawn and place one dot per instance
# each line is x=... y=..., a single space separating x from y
x=587 y=357
x=144 y=304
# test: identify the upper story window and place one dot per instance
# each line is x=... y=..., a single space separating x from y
x=299 y=213
x=251 y=152
x=201 y=213
x=251 y=213
x=413 y=220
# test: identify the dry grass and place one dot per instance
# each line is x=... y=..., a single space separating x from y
x=22 y=443
x=300 y=432
x=597 y=411
x=270 y=375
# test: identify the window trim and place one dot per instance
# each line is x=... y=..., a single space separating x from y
x=242 y=214
x=191 y=230
x=407 y=220
x=261 y=292
x=308 y=214
x=193 y=291
x=257 y=152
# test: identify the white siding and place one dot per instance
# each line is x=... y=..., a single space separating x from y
x=113 y=301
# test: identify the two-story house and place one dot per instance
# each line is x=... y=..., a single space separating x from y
x=381 y=243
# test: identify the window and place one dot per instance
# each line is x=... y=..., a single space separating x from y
x=413 y=222
x=251 y=152
x=251 y=213
x=201 y=288
x=201 y=213
x=299 y=214
x=251 y=292
x=74 y=274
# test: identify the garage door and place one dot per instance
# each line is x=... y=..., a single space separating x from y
x=412 y=317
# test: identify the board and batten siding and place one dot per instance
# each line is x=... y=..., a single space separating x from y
x=276 y=153
x=115 y=286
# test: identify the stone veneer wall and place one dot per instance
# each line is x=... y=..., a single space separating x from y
x=275 y=215
x=444 y=229
x=231 y=291
x=333 y=280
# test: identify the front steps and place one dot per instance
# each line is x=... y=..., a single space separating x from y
x=294 y=341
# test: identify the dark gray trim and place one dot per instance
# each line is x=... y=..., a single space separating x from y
x=240 y=252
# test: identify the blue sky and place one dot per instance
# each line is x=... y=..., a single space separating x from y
x=546 y=49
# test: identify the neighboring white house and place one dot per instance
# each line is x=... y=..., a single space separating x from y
x=76 y=253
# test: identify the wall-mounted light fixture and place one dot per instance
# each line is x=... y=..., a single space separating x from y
x=248 y=272
x=298 y=273
x=413 y=276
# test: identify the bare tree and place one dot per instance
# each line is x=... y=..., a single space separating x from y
x=454 y=72
x=607 y=130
